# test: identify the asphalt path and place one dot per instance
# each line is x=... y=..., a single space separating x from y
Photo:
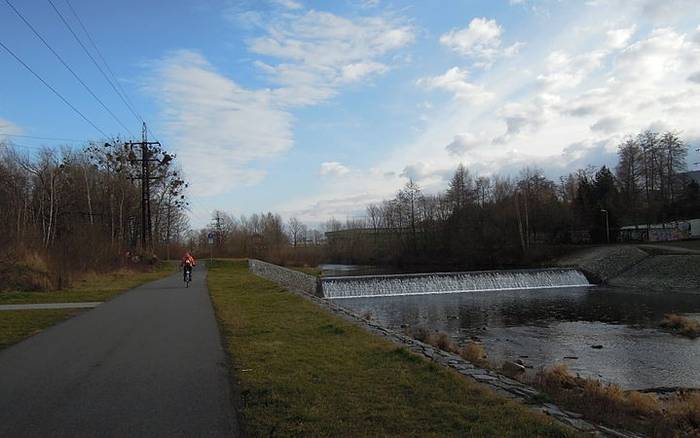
x=147 y=363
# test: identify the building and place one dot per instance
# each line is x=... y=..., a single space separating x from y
x=677 y=230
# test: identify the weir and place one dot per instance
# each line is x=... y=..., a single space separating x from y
x=450 y=282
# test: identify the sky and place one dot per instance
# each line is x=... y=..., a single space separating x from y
x=314 y=109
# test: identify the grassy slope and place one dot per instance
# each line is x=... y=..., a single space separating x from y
x=304 y=372
x=94 y=287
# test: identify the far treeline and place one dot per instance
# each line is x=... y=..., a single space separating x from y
x=485 y=222
x=66 y=212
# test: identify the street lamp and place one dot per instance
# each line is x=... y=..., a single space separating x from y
x=607 y=224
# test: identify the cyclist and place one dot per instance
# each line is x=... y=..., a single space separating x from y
x=187 y=263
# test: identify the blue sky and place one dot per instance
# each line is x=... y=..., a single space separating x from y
x=315 y=108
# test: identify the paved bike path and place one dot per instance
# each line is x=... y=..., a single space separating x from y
x=147 y=363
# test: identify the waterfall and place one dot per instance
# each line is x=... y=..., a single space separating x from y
x=440 y=283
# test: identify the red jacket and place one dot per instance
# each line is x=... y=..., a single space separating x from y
x=188 y=258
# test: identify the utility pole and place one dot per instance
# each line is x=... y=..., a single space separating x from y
x=218 y=230
x=607 y=224
x=146 y=233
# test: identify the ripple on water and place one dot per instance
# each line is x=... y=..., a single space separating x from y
x=550 y=325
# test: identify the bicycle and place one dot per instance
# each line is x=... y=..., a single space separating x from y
x=188 y=276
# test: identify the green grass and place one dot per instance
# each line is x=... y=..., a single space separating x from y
x=16 y=325
x=304 y=372
x=92 y=287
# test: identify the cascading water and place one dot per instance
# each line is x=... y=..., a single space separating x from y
x=438 y=283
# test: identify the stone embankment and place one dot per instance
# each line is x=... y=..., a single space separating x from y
x=651 y=267
x=605 y=262
x=289 y=278
x=499 y=383
x=663 y=272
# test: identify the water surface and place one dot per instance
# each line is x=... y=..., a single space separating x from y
x=548 y=326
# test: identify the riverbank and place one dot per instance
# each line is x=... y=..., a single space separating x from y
x=305 y=372
x=658 y=267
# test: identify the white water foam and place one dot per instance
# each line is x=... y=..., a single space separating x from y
x=458 y=282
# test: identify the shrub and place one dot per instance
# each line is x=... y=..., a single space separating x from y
x=420 y=333
x=29 y=272
x=599 y=401
x=475 y=354
x=681 y=325
x=683 y=411
x=442 y=341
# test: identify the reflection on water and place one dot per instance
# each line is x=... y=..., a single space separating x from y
x=560 y=325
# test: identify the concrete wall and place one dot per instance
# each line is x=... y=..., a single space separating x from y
x=289 y=278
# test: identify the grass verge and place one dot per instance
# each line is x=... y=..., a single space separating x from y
x=16 y=325
x=91 y=287
x=304 y=372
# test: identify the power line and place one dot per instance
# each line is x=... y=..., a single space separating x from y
x=21 y=146
x=12 y=145
x=4 y=134
x=60 y=96
x=65 y=64
x=122 y=95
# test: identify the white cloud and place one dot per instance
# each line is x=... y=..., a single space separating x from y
x=9 y=128
x=463 y=143
x=219 y=128
x=359 y=70
x=481 y=40
x=608 y=124
x=618 y=38
x=320 y=51
x=566 y=71
x=289 y=4
x=455 y=81
x=523 y=117
x=333 y=168
x=564 y=103
x=223 y=132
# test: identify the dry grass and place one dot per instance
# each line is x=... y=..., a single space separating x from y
x=439 y=340
x=678 y=415
x=471 y=351
x=420 y=333
x=27 y=272
x=475 y=353
x=681 y=325
x=592 y=397
x=683 y=412
x=92 y=286
x=443 y=342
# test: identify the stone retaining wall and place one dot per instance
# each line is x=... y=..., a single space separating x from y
x=499 y=383
x=289 y=278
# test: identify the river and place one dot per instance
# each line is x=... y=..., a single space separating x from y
x=548 y=326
